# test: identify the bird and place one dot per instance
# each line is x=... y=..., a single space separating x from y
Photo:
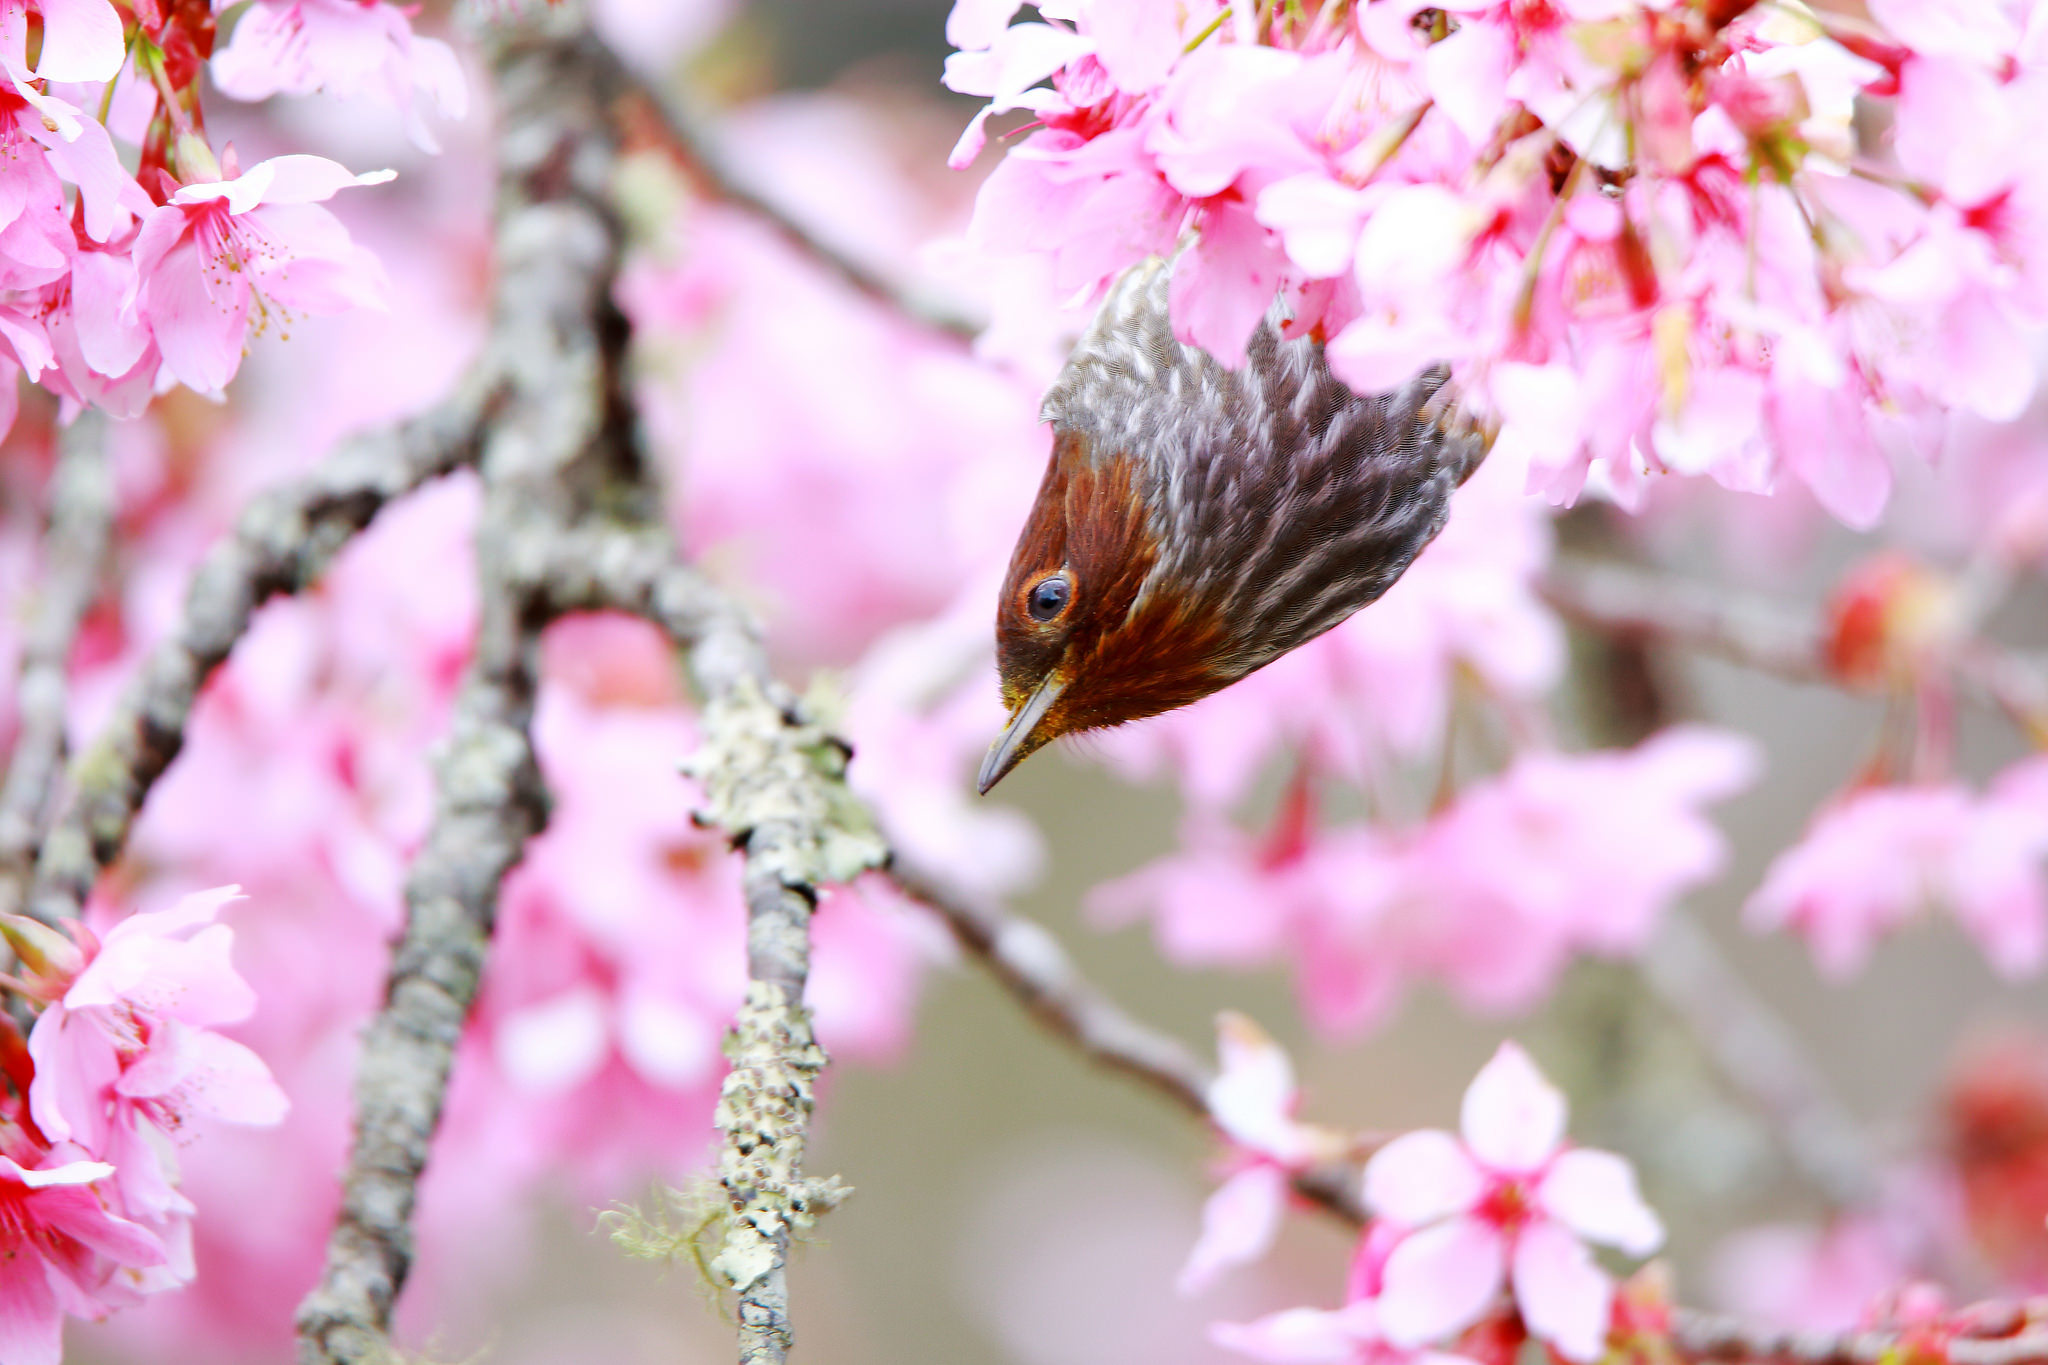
x=1197 y=521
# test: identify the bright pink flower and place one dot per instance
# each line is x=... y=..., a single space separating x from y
x=1252 y=1101
x=129 y=1053
x=61 y=1252
x=1505 y=1203
x=346 y=48
x=261 y=235
x=1880 y=857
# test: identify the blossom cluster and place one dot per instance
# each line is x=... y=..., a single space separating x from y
x=1496 y=1217
x=1650 y=236
x=116 y=284
x=124 y=1054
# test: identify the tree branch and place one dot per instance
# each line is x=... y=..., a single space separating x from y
x=1990 y=1334
x=1619 y=601
x=1614 y=599
x=774 y=782
x=1033 y=966
x=559 y=343
x=281 y=543
x=81 y=519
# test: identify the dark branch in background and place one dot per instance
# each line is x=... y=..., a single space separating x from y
x=1619 y=600
x=689 y=136
x=559 y=347
x=281 y=543
x=1640 y=604
x=81 y=520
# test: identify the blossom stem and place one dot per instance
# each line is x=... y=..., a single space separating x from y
x=1222 y=17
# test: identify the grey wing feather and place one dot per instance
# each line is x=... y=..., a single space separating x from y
x=1280 y=493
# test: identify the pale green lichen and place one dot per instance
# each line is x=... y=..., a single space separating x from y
x=759 y=766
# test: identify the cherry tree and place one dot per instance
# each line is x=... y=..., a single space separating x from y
x=498 y=642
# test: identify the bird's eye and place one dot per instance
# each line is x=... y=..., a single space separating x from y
x=1049 y=598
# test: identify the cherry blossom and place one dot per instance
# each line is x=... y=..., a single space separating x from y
x=1252 y=1101
x=130 y=1051
x=345 y=48
x=1505 y=1203
x=61 y=1252
x=1494 y=894
x=258 y=238
x=1879 y=857
x=1641 y=272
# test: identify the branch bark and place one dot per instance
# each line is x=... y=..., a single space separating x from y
x=1629 y=603
x=281 y=544
x=774 y=782
x=81 y=519
x=559 y=343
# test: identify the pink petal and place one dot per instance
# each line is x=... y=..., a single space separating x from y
x=1421 y=1177
x=1239 y=1223
x=56 y=1177
x=82 y=41
x=1565 y=1298
x=200 y=337
x=1440 y=1280
x=1594 y=1194
x=1512 y=1119
x=1137 y=44
x=1467 y=74
x=1252 y=1098
x=99 y=281
x=1299 y=1336
x=302 y=179
x=31 y=1328
x=976 y=24
x=1224 y=283
x=1317 y=218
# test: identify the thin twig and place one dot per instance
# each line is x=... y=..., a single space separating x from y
x=1033 y=966
x=81 y=518
x=690 y=136
x=2009 y=1334
x=1615 y=599
x=558 y=341
x=281 y=543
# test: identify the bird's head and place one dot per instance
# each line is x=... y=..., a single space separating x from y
x=1090 y=629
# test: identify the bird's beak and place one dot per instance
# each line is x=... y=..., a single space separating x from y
x=1019 y=738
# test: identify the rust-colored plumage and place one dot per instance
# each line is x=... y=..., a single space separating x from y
x=1195 y=523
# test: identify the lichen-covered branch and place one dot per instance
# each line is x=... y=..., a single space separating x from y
x=81 y=518
x=281 y=543
x=559 y=345
x=697 y=146
x=774 y=781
